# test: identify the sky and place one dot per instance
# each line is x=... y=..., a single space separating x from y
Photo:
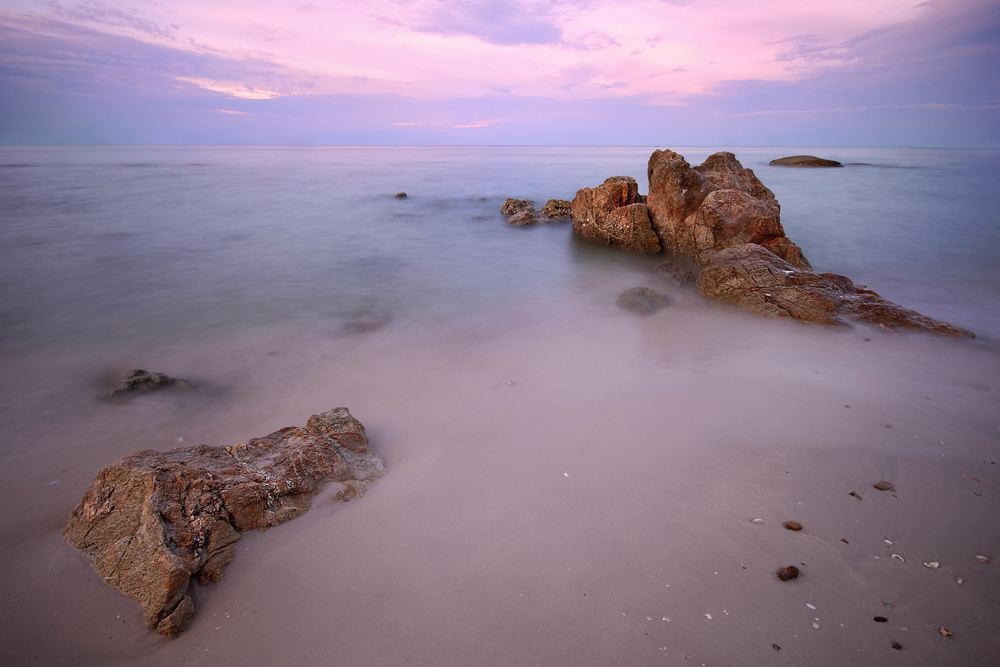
x=549 y=72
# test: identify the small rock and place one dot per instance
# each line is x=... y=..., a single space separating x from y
x=512 y=206
x=982 y=559
x=855 y=494
x=672 y=273
x=522 y=218
x=816 y=625
x=792 y=525
x=757 y=521
x=888 y=605
x=945 y=632
x=897 y=646
x=557 y=208
x=959 y=580
x=138 y=380
x=883 y=486
x=933 y=564
x=399 y=195
x=804 y=161
x=786 y=573
x=880 y=619
x=775 y=647
x=642 y=300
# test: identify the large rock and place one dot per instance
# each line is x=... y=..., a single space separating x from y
x=613 y=214
x=757 y=280
x=804 y=161
x=153 y=520
x=698 y=211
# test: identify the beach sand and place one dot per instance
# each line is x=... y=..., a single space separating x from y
x=557 y=520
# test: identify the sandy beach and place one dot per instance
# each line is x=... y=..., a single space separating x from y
x=577 y=488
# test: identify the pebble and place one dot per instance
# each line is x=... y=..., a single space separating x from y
x=775 y=647
x=881 y=619
x=883 y=485
x=855 y=494
x=816 y=625
x=897 y=646
x=982 y=559
x=945 y=632
x=786 y=573
x=810 y=606
x=708 y=616
x=960 y=580
x=757 y=521
x=933 y=564
x=792 y=525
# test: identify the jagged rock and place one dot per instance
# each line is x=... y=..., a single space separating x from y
x=613 y=214
x=698 y=211
x=521 y=218
x=512 y=206
x=673 y=273
x=557 y=208
x=804 y=161
x=757 y=280
x=642 y=300
x=399 y=195
x=153 y=520
x=138 y=380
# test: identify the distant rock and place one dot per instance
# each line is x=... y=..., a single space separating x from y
x=672 y=273
x=642 y=300
x=153 y=520
x=756 y=279
x=399 y=195
x=512 y=206
x=557 y=208
x=804 y=161
x=612 y=214
x=699 y=211
x=138 y=380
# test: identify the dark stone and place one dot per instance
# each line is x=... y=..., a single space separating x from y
x=757 y=280
x=672 y=273
x=512 y=206
x=883 y=485
x=612 y=214
x=400 y=195
x=642 y=300
x=792 y=525
x=138 y=380
x=804 y=161
x=522 y=218
x=153 y=520
x=557 y=208
x=880 y=619
x=897 y=646
x=786 y=573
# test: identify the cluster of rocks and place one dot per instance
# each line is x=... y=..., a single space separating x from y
x=522 y=212
x=139 y=380
x=722 y=221
x=152 y=521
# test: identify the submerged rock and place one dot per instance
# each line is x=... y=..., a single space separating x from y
x=642 y=300
x=557 y=208
x=673 y=273
x=699 y=211
x=804 y=161
x=613 y=214
x=138 y=380
x=153 y=520
x=399 y=195
x=521 y=218
x=757 y=280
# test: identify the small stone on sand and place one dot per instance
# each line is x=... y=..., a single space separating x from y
x=786 y=573
x=883 y=485
x=792 y=525
x=881 y=619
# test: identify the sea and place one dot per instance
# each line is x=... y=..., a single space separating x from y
x=567 y=483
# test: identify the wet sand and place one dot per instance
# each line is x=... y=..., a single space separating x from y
x=558 y=520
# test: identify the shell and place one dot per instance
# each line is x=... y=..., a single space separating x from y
x=899 y=558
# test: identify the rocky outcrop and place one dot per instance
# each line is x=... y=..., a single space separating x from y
x=642 y=300
x=756 y=279
x=699 y=211
x=614 y=214
x=557 y=208
x=151 y=521
x=804 y=161
x=512 y=206
x=138 y=380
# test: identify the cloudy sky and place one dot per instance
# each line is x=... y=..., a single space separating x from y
x=626 y=72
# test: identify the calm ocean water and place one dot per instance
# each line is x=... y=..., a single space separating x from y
x=166 y=244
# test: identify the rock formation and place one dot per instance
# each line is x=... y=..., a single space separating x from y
x=614 y=214
x=153 y=520
x=804 y=161
x=642 y=300
x=698 y=211
x=522 y=218
x=138 y=380
x=512 y=206
x=557 y=208
x=756 y=279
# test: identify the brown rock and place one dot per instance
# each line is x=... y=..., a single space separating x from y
x=138 y=380
x=786 y=573
x=153 y=520
x=512 y=206
x=673 y=273
x=642 y=300
x=804 y=161
x=883 y=485
x=521 y=218
x=399 y=195
x=792 y=525
x=611 y=214
x=757 y=280
x=697 y=212
x=557 y=208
